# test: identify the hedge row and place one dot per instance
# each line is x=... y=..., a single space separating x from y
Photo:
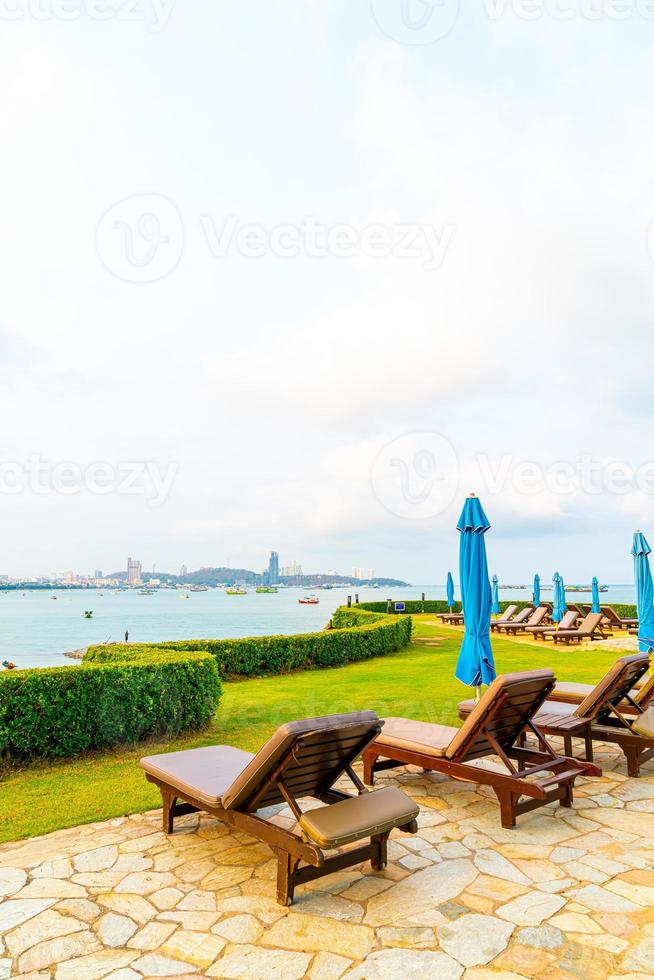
x=625 y=610
x=357 y=636
x=120 y=695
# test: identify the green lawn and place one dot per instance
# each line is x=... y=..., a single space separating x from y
x=417 y=682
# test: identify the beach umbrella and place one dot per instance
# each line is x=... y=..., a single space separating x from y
x=644 y=592
x=557 y=612
x=562 y=604
x=495 y=597
x=536 y=591
x=450 y=591
x=475 y=665
x=595 y=608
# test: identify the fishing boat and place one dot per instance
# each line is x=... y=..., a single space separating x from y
x=147 y=591
x=267 y=588
x=309 y=600
x=199 y=588
x=236 y=591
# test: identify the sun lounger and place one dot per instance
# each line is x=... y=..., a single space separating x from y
x=588 y=629
x=451 y=619
x=598 y=717
x=538 y=616
x=521 y=617
x=302 y=759
x=639 y=698
x=568 y=621
x=612 y=620
x=494 y=727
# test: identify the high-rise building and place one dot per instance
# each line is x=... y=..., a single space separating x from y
x=98 y=573
x=183 y=571
x=292 y=569
x=133 y=572
x=371 y=573
x=273 y=569
x=357 y=573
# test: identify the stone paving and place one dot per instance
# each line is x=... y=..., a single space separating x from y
x=568 y=894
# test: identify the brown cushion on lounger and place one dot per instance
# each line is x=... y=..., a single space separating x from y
x=361 y=816
x=204 y=774
x=247 y=782
x=572 y=689
x=644 y=724
x=419 y=736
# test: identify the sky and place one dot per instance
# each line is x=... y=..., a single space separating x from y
x=301 y=274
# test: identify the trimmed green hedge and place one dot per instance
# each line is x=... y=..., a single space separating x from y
x=625 y=610
x=412 y=606
x=357 y=636
x=117 y=695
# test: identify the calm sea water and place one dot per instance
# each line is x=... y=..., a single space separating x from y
x=36 y=630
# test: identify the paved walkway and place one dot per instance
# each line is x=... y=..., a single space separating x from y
x=569 y=894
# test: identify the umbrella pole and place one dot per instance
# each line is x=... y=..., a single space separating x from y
x=478 y=693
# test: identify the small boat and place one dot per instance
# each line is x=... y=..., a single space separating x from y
x=199 y=588
x=236 y=591
x=147 y=591
x=268 y=589
x=55 y=597
x=185 y=596
x=88 y=614
x=309 y=600
x=8 y=665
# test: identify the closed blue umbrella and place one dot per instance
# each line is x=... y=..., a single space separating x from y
x=450 y=591
x=644 y=592
x=562 y=603
x=475 y=665
x=557 y=612
x=595 y=608
x=536 y=591
x=495 y=597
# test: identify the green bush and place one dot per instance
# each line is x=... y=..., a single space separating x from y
x=412 y=606
x=358 y=635
x=117 y=695
x=625 y=610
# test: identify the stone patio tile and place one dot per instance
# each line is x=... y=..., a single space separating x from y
x=47 y=925
x=423 y=890
x=53 y=951
x=408 y=964
x=328 y=966
x=242 y=928
x=95 y=965
x=253 y=963
x=475 y=940
x=16 y=911
x=313 y=933
x=198 y=948
x=152 y=936
x=531 y=909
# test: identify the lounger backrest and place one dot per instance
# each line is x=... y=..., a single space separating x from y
x=523 y=615
x=538 y=615
x=614 y=686
x=508 y=612
x=590 y=623
x=310 y=755
x=611 y=614
x=507 y=705
x=568 y=620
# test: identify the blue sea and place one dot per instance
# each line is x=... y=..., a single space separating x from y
x=38 y=628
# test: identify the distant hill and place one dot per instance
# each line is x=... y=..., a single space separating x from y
x=227 y=576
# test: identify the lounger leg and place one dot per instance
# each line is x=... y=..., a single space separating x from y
x=567 y=746
x=380 y=858
x=286 y=868
x=632 y=754
x=369 y=760
x=507 y=807
x=568 y=795
x=169 y=802
x=588 y=745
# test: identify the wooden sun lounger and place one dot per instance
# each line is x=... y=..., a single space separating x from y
x=588 y=629
x=494 y=727
x=611 y=619
x=498 y=625
x=302 y=759
x=598 y=717
x=451 y=619
x=538 y=616
x=547 y=632
x=640 y=696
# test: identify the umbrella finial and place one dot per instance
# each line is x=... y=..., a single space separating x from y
x=472 y=495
